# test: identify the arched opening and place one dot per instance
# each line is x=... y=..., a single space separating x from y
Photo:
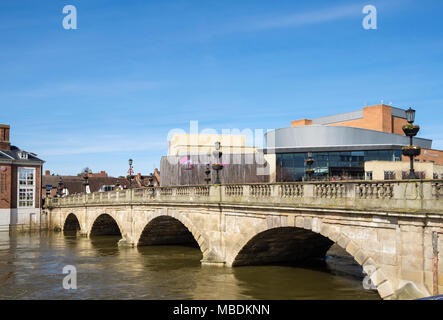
x=166 y=230
x=300 y=258
x=285 y=244
x=72 y=225
x=105 y=225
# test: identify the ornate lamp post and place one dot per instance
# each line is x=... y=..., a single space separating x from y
x=217 y=166
x=309 y=162
x=60 y=187
x=411 y=151
x=86 y=180
x=130 y=173
x=207 y=172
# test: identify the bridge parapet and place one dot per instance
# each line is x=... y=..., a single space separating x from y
x=413 y=196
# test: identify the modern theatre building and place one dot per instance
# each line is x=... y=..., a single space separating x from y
x=341 y=144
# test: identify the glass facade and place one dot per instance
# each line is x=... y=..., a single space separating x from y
x=328 y=165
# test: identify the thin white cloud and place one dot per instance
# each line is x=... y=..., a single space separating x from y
x=304 y=18
x=88 y=88
x=103 y=144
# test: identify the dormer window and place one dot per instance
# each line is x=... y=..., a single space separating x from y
x=22 y=155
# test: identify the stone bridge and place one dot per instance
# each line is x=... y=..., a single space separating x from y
x=393 y=229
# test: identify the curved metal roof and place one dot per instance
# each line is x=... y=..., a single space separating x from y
x=328 y=138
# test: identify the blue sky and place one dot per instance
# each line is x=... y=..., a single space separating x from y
x=133 y=70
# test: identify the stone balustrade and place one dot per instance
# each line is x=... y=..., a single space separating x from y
x=393 y=195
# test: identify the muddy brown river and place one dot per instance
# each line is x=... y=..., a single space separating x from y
x=31 y=267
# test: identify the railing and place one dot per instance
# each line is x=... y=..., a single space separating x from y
x=404 y=195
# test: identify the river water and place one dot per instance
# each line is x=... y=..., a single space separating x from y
x=31 y=267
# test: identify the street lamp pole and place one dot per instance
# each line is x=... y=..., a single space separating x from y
x=86 y=180
x=131 y=173
x=60 y=187
x=207 y=172
x=217 y=166
x=411 y=151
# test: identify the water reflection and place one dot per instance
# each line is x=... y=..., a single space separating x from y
x=31 y=268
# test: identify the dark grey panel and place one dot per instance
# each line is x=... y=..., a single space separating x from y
x=342 y=117
x=399 y=113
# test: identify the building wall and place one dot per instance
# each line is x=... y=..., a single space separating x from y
x=377 y=118
x=183 y=144
x=238 y=168
x=11 y=217
x=5 y=189
x=303 y=122
x=378 y=169
x=428 y=155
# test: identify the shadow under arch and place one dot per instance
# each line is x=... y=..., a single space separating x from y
x=311 y=245
x=105 y=224
x=283 y=245
x=167 y=230
x=71 y=224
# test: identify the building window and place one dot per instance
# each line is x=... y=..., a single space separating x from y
x=23 y=155
x=389 y=175
x=368 y=175
x=26 y=187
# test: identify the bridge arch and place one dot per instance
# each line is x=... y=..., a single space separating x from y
x=313 y=239
x=104 y=223
x=71 y=223
x=150 y=232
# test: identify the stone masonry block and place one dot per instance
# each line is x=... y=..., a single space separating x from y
x=414 y=276
x=360 y=257
x=307 y=223
x=299 y=222
x=352 y=248
x=385 y=290
x=343 y=241
x=378 y=277
x=389 y=259
x=324 y=230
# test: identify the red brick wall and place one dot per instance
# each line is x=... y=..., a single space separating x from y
x=377 y=118
x=5 y=196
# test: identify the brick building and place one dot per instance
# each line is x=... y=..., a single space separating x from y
x=20 y=186
x=381 y=118
x=341 y=144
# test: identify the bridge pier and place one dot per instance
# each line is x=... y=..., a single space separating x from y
x=126 y=243
x=83 y=233
x=212 y=259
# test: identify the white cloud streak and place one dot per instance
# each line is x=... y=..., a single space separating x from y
x=304 y=18
x=88 y=88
